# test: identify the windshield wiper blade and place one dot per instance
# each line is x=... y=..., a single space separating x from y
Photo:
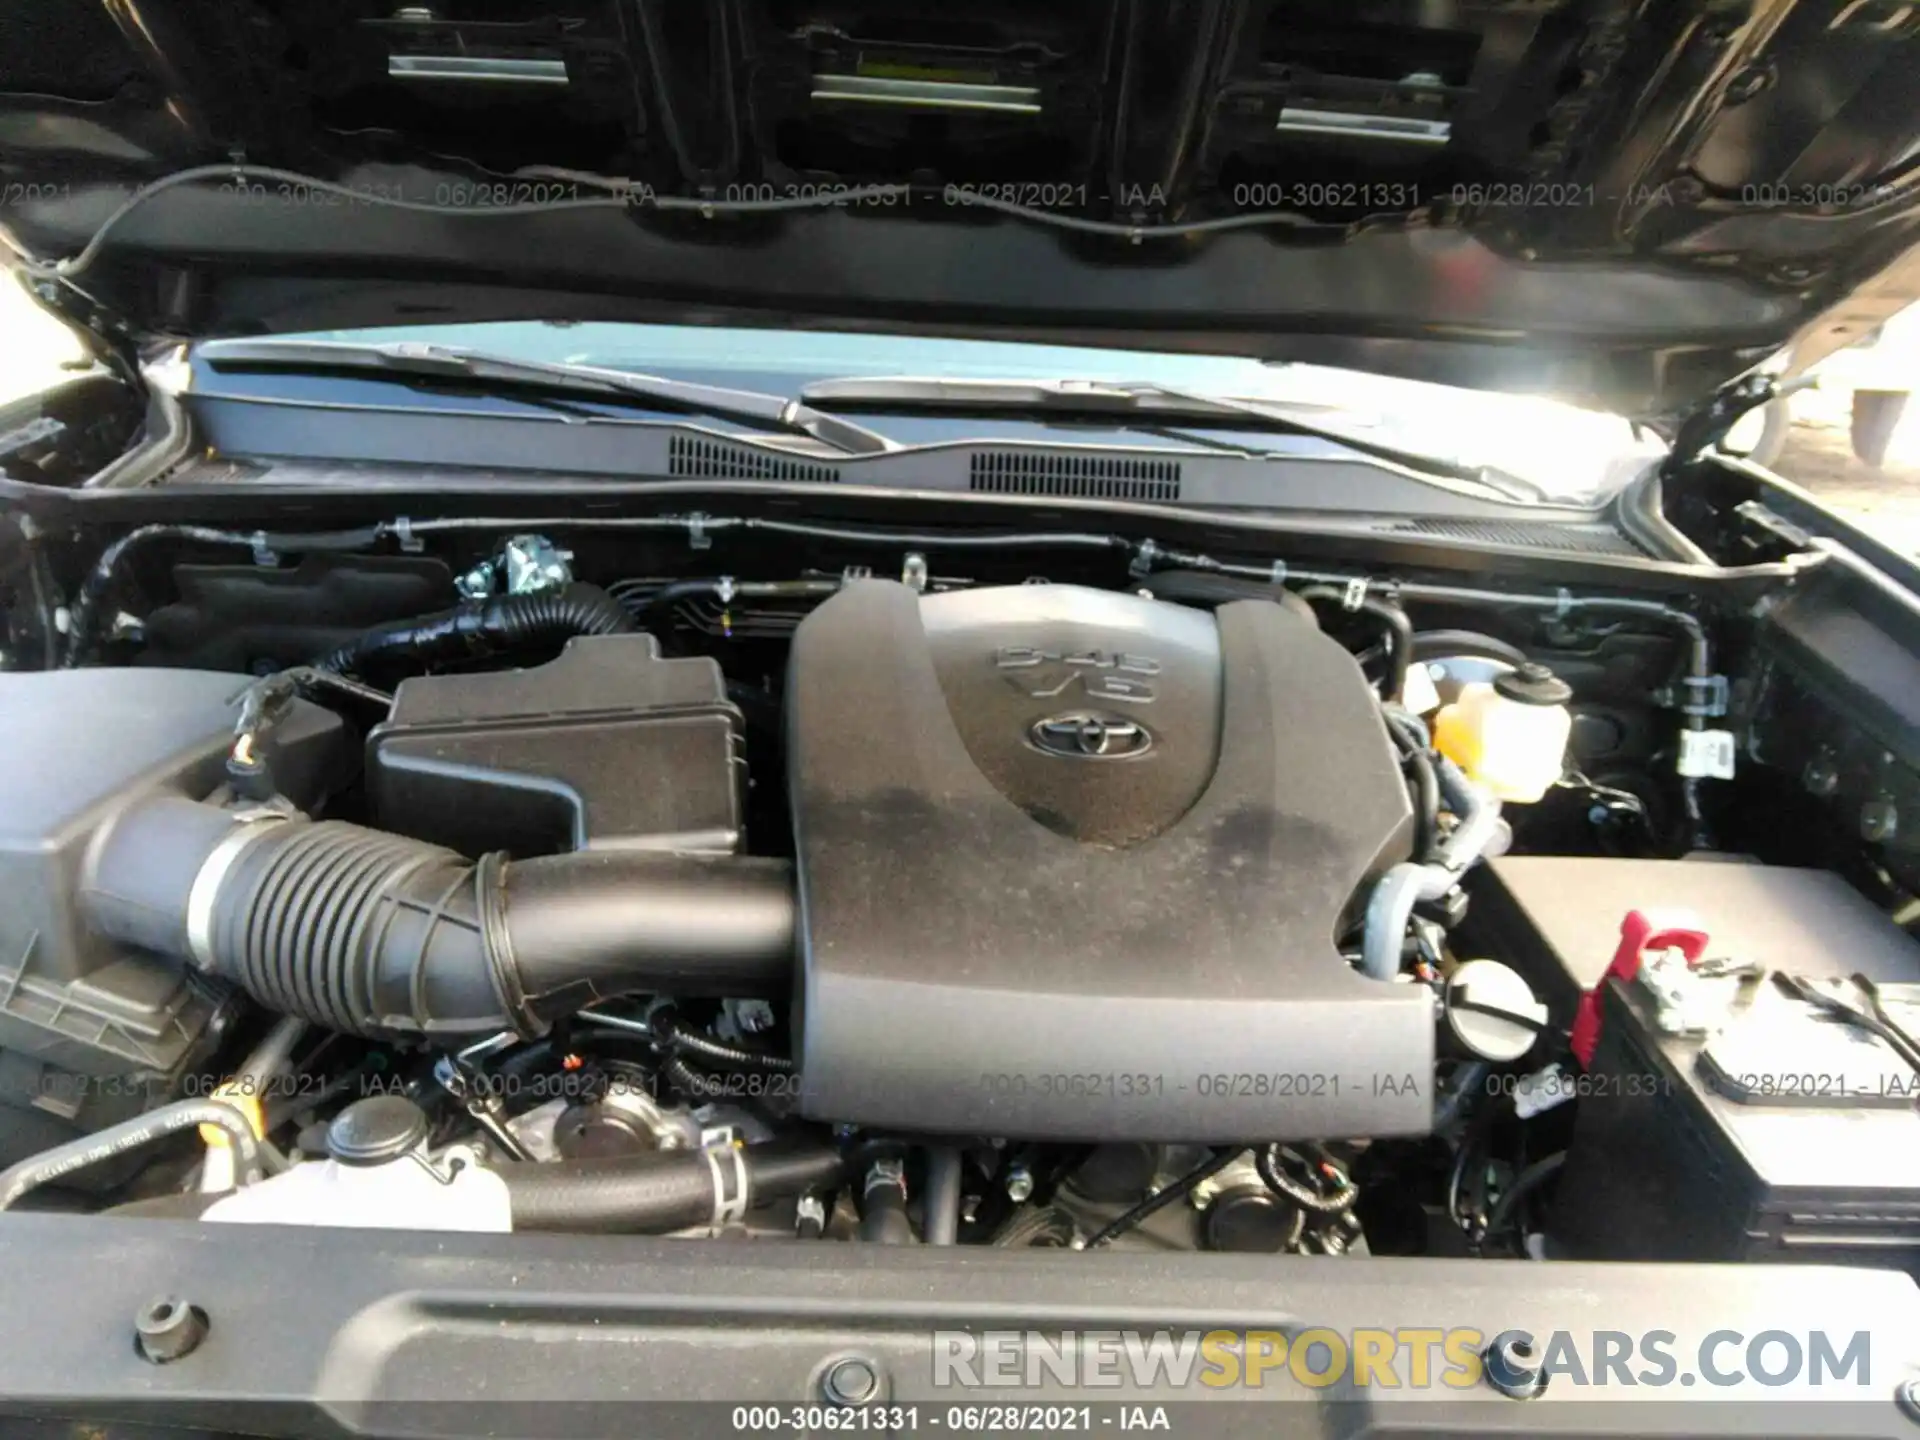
x=1133 y=399
x=406 y=359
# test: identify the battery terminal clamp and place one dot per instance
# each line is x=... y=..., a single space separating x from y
x=1643 y=935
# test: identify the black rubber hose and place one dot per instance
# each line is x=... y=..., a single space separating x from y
x=655 y=1194
x=50 y=1165
x=942 y=1199
x=883 y=1213
x=1524 y=1184
x=481 y=628
x=1425 y=782
x=1393 y=621
x=371 y=933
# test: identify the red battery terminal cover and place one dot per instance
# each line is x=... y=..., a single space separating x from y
x=1643 y=932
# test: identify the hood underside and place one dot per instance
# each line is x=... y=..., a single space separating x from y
x=1623 y=204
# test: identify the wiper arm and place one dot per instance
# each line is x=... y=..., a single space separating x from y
x=414 y=360
x=1133 y=399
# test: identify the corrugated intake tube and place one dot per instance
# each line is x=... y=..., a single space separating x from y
x=481 y=628
x=367 y=932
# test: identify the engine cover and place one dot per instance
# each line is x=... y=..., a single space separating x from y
x=1072 y=865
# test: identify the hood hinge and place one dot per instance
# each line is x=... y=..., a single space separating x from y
x=1710 y=422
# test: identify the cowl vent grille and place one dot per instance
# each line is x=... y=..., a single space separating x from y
x=1574 y=539
x=1086 y=477
x=702 y=459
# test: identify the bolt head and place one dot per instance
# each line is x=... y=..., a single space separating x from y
x=1907 y=1396
x=168 y=1328
x=1019 y=1184
x=1512 y=1365
x=1820 y=777
x=852 y=1381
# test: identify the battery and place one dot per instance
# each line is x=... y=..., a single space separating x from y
x=1773 y=1133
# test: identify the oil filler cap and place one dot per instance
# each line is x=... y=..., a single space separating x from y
x=375 y=1130
x=1532 y=683
x=1492 y=1012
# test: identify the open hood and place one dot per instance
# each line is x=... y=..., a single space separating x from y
x=1622 y=204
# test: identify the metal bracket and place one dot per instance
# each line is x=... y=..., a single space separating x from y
x=1144 y=554
x=1278 y=574
x=697 y=536
x=1707 y=695
x=36 y=431
x=729 y=1200
x=1709 y=424
x=410 y=543
x=1356 y=593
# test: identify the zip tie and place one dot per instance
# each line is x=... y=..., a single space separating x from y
x=1144 y=555
x=1565 y=607
x=697 y=537
x=263 y=556
x=1279 y=574
x=411 y=543
x=725 y=590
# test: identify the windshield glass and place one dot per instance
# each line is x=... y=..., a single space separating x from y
x=1567 y=454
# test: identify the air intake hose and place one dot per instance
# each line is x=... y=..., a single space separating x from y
x=368 y=932
x=481 y=628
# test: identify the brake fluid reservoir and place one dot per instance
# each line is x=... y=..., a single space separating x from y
x=1510 y=736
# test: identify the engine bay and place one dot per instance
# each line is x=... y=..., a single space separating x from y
x=1012 y=889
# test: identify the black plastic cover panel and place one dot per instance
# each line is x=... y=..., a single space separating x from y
x=1072 y=865
x=457 y=1335
x=607 y=747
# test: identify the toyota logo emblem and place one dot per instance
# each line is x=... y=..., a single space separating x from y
x=1083 y=735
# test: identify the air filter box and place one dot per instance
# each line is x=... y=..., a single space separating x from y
x=91 y=1031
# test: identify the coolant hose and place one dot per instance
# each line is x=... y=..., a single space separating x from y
x=1394 y=624
x=1390 y=906
x=942 y=1200
x=481 y=628
x=654 y=1194
x=367 y=932
x=50 y=1165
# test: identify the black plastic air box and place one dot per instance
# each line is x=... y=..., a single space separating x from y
x=91 y=1031
x=606 y=747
